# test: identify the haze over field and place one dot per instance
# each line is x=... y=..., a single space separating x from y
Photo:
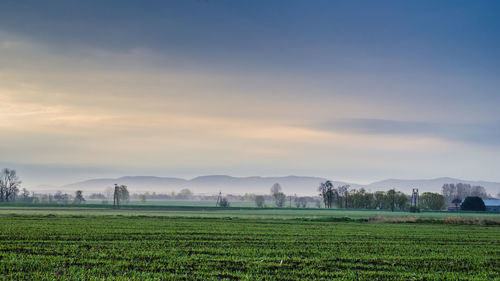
x=352 y=91
x=213 y=184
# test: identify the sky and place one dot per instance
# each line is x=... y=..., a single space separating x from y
x=347 y=90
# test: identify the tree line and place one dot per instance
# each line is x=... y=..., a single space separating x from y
x=330 y=196
x=461 y=190
x=344 y=197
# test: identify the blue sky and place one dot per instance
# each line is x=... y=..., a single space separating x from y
x=349 y=90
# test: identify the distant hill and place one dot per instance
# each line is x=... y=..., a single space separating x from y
x=300 y=185
x=206 y=184
x=135 y=183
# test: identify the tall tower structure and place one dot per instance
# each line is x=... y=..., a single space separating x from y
x=414 y=199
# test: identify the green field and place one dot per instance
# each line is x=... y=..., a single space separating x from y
x=124 y=248
x=178 y=210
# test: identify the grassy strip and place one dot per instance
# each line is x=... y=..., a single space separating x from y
x=205 y=208
x=380 y=219
x=449 y=220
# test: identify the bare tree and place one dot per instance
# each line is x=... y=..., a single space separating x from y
x=26 y=196
x=328 y=193
x=296 y=200
x=116 y=196
x=9 y=185
x=478 y=191
x=109 y=192
x=120 y=194
x=323 y=192
x=276 y=188
x=343 y=192
x=224 y=203
x=279 y=197
x=79 y=197
x=391 y=194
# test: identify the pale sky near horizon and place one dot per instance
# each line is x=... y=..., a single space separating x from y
x=348 y=90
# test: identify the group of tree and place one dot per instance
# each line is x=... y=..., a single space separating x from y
x=300 y=202
x=328 y=193
x=432 y=201
x=335 y=195
x=10 y=186
x=391 y=199
x=97 y=196
x=10 y=191
x=343 y=197
x=184 y=194
x=60 y=198
x=461 y=190
x=279 y=198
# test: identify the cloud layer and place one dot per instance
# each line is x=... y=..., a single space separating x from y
x=329 y=89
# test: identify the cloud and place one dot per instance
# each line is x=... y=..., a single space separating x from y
x=229 y=85
x=479 y=133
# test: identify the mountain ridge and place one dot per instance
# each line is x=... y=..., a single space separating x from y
x=301 y=185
